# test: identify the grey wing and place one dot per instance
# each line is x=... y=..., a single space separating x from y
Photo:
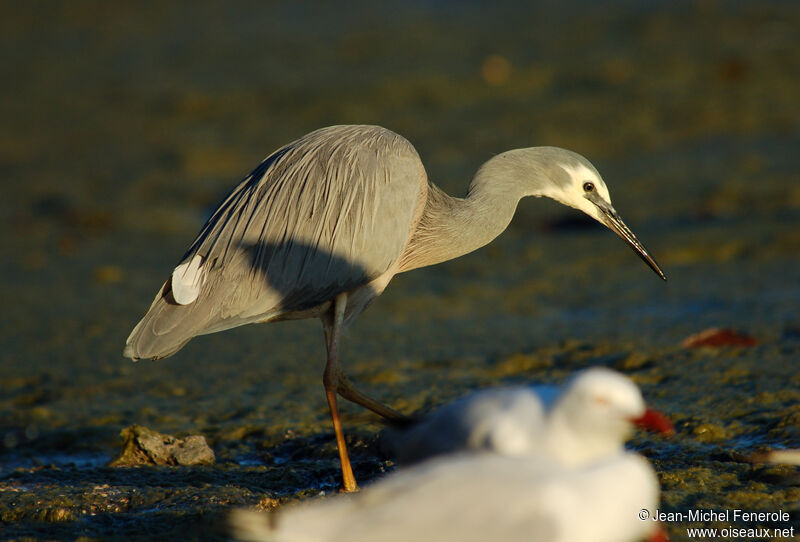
x=508 y=421
x=323 y=215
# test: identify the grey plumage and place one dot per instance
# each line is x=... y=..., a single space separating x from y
x=325 y=214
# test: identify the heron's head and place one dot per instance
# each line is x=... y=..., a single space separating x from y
x=562 y=175
x=575 y=182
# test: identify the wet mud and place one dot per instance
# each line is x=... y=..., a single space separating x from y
x=123 y=126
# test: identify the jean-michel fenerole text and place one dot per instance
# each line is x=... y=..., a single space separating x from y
x=705 y=516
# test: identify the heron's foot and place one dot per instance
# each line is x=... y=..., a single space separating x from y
x=349 y=392
x=354 y=489
x=402 y=422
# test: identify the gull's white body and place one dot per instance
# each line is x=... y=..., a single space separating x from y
x=477 y=498
x=561 y=474
x=587 y=418
x=507 y=421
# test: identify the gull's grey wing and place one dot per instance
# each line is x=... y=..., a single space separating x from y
x=325 y=214
x=508 y=421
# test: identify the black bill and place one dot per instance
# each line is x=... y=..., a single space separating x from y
x=614 y=222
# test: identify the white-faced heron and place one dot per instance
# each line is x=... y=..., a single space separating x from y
x=322 y=225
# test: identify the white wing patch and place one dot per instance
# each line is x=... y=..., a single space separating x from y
x=187 y=279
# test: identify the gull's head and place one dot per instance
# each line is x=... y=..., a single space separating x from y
x=601 y=407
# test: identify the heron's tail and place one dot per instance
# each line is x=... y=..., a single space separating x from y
x=165 y=328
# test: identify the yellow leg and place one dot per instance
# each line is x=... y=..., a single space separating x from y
x=336 y=381
x=330 y=379
x=348 y=479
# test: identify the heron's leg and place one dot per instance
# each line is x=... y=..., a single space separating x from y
x=349 y=392
x=330 y=379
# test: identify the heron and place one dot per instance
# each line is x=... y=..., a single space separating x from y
x=319 y=228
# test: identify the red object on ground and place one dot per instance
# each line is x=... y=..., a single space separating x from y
x=717 y=336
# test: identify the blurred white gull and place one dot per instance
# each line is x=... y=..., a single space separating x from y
x=562 y=475
x=475 y=498
x=590 y=417
x=779 y=456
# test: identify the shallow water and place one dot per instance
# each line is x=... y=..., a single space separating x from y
x=124 y=126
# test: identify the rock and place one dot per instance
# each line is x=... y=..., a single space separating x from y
x=144 y=446
x=632 y=361
x=710 y=432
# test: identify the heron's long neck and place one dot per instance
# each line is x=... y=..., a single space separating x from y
x=451 y=227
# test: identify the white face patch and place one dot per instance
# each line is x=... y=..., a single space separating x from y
x=573 y=193
x=580 y=174
x=187 y=279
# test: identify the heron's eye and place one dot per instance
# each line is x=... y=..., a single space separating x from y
x=588 y=187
